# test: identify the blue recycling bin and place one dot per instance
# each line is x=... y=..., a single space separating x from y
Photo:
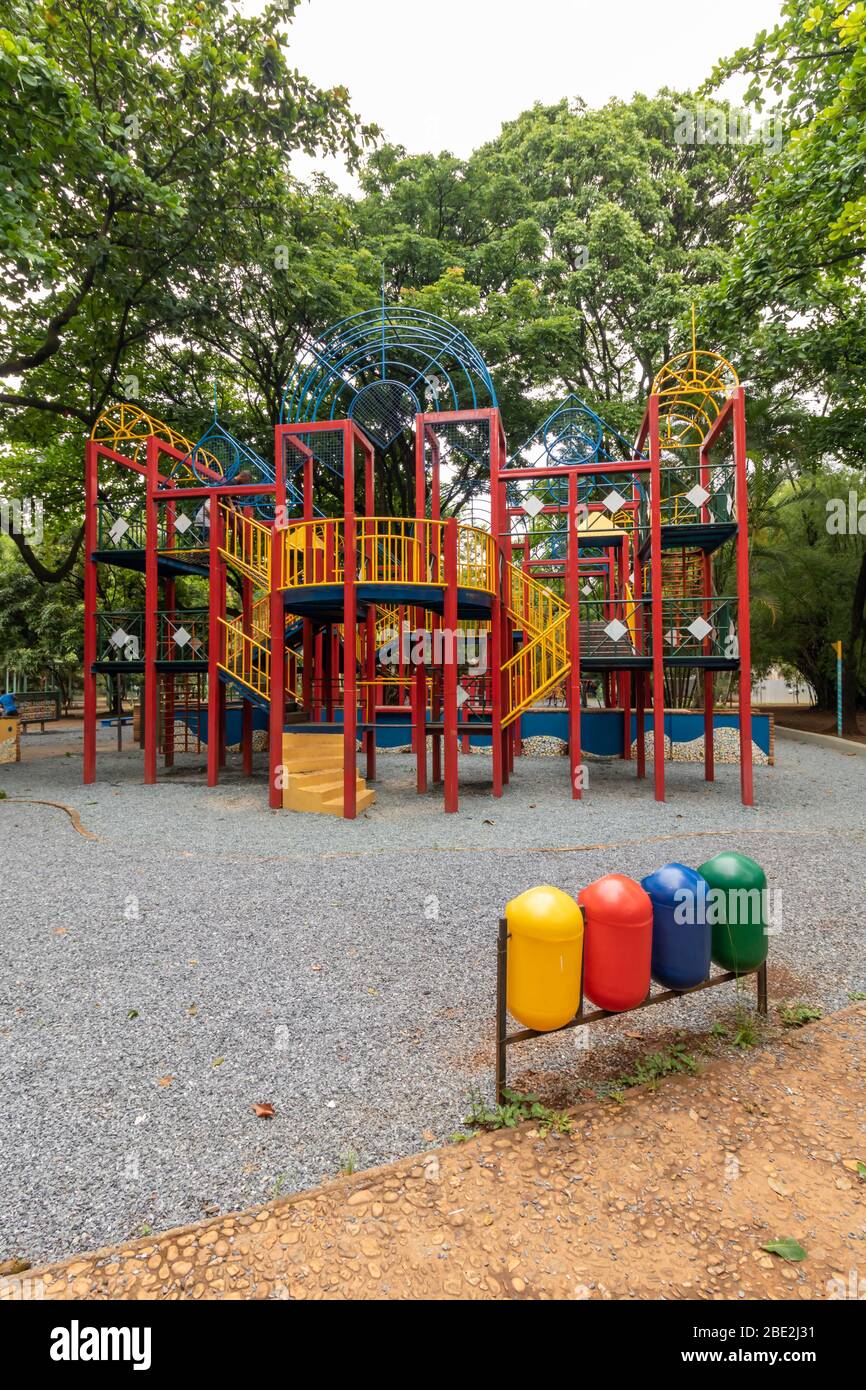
x=682 y=936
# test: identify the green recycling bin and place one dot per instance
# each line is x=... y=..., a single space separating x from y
x=737 y=910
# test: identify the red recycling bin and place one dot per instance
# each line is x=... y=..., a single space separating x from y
x=618 y=936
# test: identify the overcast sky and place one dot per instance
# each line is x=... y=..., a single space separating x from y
x=446 y=74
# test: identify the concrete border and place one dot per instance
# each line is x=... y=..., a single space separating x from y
x=845 y=745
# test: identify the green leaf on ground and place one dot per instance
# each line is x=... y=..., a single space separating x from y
x=787 y=1248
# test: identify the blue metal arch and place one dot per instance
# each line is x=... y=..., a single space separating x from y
x=395 y=356
x=574 y=434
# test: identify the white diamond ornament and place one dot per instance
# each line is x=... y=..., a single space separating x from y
x=698 y=495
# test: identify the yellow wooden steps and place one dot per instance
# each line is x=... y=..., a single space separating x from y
x=314 y=775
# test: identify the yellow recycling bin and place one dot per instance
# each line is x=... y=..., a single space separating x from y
x=545 y=949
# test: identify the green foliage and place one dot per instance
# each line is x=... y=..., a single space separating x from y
x=515 y=1110
x=794 y=295
x=796 y=1015
x=650 y=1070
x=567 y=247
x=41 y=627
x=802 y=579
x=138 y=138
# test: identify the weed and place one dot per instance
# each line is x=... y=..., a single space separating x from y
x=798 y=1014
x=515 y=1109
x=746 y=1033
x=650 y=1070
x=349 y=1162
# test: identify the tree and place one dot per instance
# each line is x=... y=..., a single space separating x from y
x=579 y=238
x=803 y=573
x=138 y=137
x=795 y=287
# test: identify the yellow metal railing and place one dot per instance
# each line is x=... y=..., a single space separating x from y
x=543 y=661
x=245 y=658
x=476 y=559
x=398 y=550
x=246 y=544
x=539 y=665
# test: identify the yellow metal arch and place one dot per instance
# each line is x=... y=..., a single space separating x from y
x=126 y=428
x=692 y=388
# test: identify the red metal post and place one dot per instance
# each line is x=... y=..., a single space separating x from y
x=743 y=619
x=277 y=624
x=658 y=670
x=91 y=490
x=420 y=697
x=214 y=646
x=247 y=714
x=449 y=658
x=150 y=710
x=350 y=623
x=572 y=596
x=498 y=520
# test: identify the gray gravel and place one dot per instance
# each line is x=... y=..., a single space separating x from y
x=342 y=972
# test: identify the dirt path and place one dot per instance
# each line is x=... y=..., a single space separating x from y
x=669 y=1194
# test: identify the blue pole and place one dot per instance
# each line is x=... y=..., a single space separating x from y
x=839 y=689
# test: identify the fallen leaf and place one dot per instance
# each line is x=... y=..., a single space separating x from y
x=778 y=1187
x=852 y=1164
x=133 y=1013
x=263 y=1110
x=192 y=1010
x=315 y=967
x=787 y=1248
x=488 y=822
x=428 y=1136
x=14 y=1267
x=61 y=931
x=218 y=1061
x=165 y=1081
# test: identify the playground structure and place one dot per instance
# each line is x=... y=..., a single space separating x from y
x=593 y=561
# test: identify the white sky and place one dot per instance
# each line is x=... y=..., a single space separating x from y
x=445 y=75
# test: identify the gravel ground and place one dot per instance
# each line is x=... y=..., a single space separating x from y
x=203 y=954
